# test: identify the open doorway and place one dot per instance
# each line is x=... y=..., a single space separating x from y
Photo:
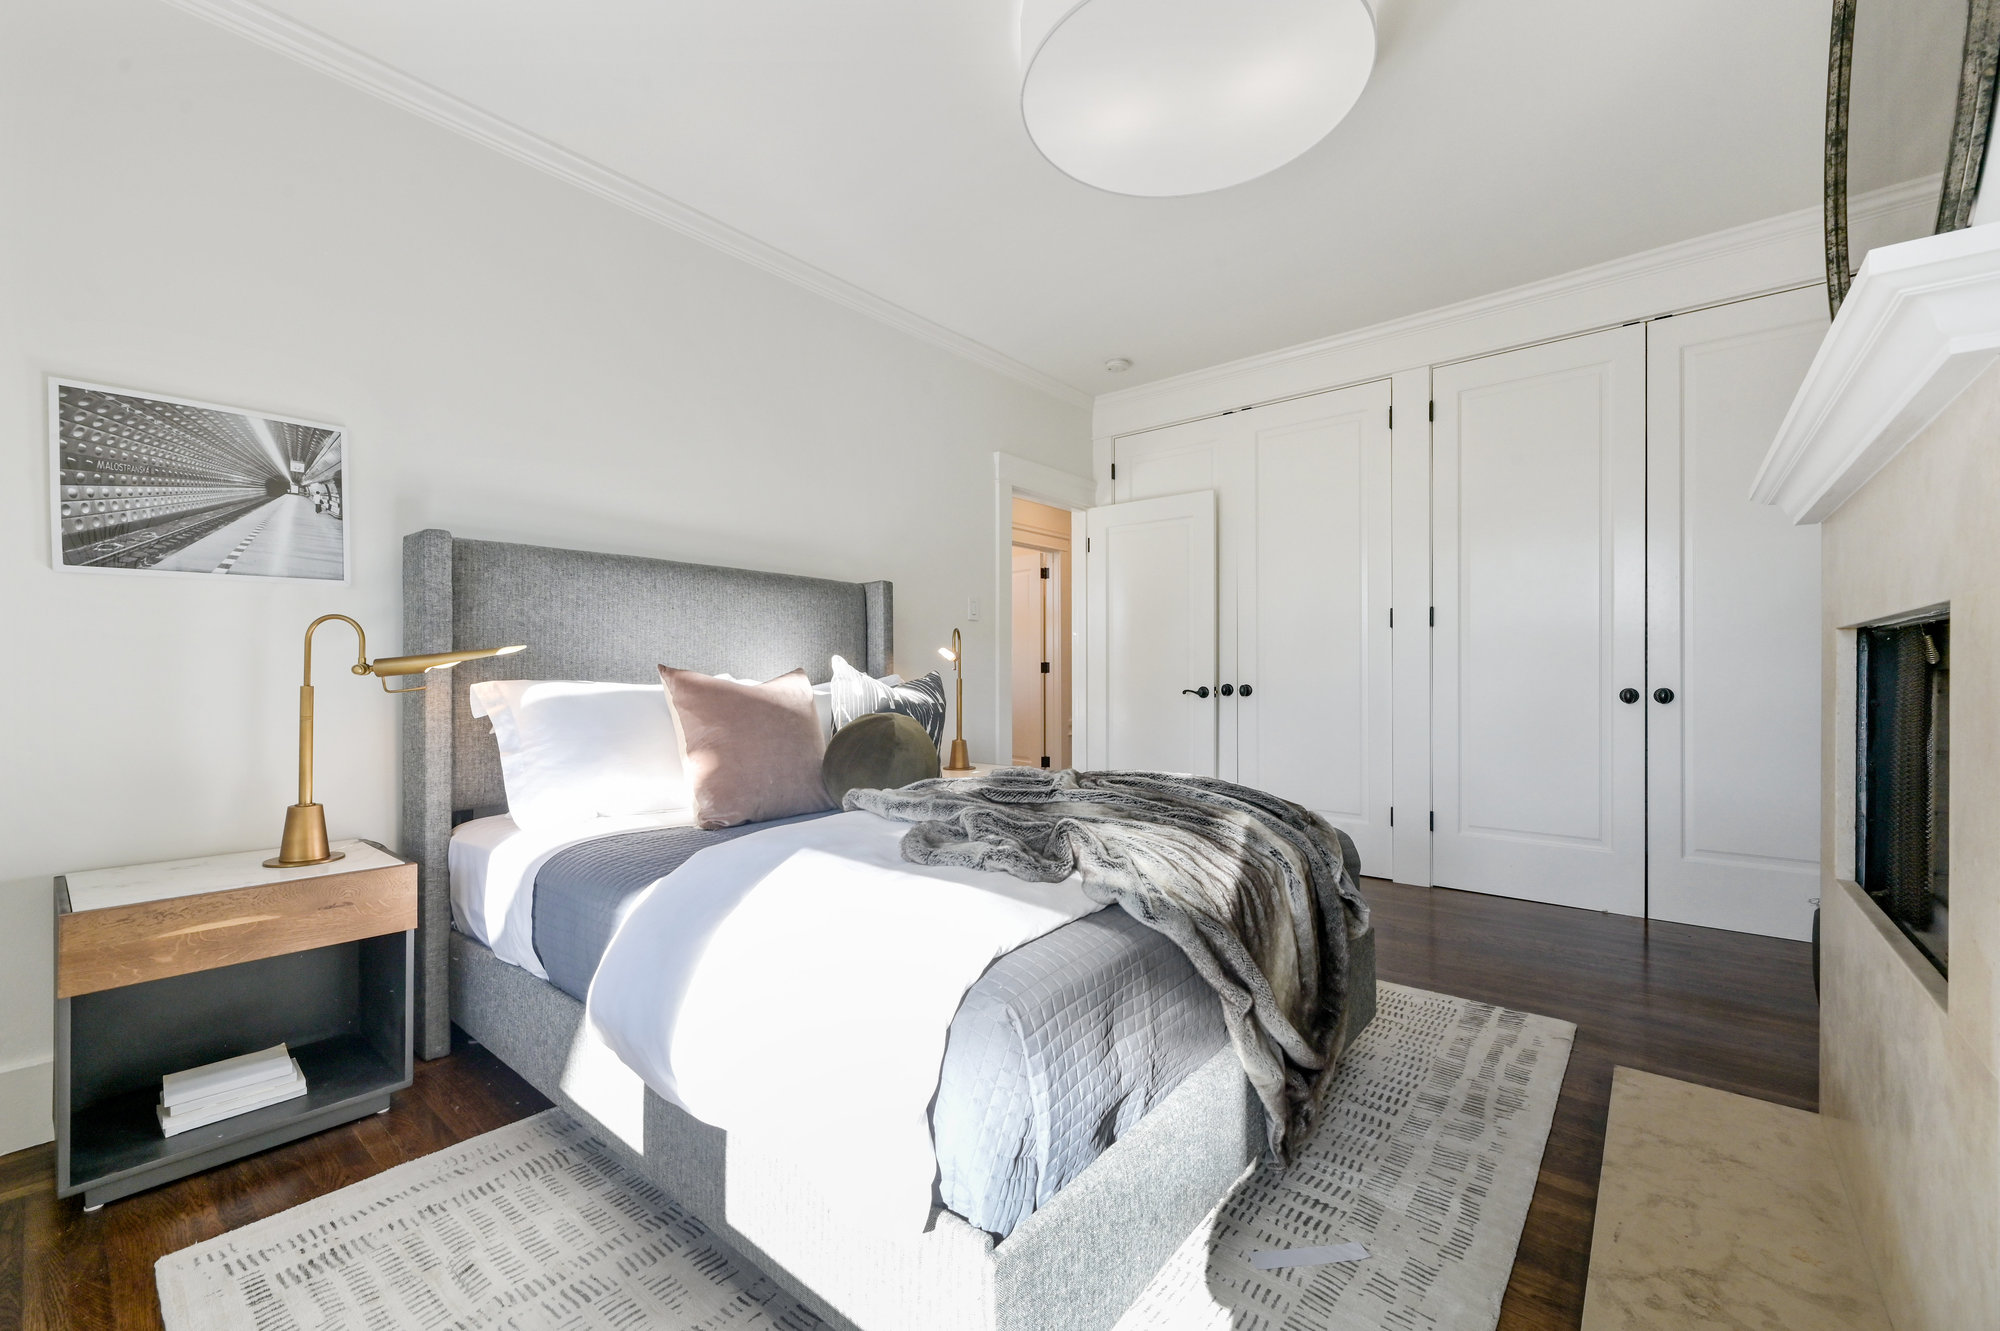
x=1040 y=667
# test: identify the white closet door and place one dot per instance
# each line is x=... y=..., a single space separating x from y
x=1205 y=455
x=1539 y=511
x=1734 y=760
x=1151 y=571
x=1312 y=606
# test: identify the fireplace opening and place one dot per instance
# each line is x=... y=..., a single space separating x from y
x=1902 y=799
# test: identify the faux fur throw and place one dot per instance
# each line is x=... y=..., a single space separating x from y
x=1256 y=891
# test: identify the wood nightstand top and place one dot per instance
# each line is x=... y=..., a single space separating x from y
x=150 y=921
x=98 y=889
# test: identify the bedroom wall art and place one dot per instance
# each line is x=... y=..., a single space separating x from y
x=151 y=484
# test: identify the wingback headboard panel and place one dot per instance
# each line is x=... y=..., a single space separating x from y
x=582 y=615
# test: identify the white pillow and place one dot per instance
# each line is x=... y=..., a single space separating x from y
x=572 y=750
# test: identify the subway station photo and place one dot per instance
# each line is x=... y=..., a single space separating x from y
x=150 y=484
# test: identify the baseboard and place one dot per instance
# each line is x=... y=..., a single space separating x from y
x=25 y=1098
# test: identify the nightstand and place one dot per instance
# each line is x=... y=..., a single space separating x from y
x=161 y=967
x=978 y=769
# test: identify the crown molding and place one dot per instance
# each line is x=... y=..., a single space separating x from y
x=1920 y=323
x=317 y=51
x=1776 y=254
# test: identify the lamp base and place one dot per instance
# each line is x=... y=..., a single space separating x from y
x=961 y=761
x=304 y=841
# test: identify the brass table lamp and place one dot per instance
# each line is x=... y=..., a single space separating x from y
x=961 y=761
x=305 y=841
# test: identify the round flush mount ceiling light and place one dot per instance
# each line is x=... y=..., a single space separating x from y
x=1118 y=364
x=1171 y=97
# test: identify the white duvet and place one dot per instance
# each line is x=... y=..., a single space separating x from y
x=795 y=988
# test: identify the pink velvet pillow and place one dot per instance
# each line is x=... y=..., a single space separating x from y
x=751 y=751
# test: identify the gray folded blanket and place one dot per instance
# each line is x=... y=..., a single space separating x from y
x=1256 y=891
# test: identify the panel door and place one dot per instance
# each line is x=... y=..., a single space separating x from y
x=1204 y=455
x=1311 y=673
x=1151 y=570
x=1733 y=788
x=1031 y=684
x=1538 y=521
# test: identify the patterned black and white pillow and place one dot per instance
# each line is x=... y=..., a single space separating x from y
x=856 y=694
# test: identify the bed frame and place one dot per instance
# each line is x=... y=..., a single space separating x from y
x=1075 y=1265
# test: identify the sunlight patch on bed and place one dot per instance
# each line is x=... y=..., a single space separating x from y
x=603 y=1087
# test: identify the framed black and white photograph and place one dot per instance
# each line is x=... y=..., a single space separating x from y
x=152 y=484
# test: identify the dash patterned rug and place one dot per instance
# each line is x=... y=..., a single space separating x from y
x=1427 y=1158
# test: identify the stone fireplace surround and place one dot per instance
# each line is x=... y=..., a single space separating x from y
x=1893 y=445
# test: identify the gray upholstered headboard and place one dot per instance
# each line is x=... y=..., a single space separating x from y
x=582 y=615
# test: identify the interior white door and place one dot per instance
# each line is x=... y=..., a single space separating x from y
x=1030 y=681
x=1538 y=521
x=1150 y=567
x=1183 y=459
x=1733 y=780
x=1303 y=511
x=1311 y=673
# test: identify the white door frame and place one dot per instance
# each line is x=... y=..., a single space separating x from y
x=1060 y=489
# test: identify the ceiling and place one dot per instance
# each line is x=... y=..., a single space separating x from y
x=881 y=142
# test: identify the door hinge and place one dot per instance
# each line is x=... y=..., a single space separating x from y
x=1045 y=570
x=1045 y=760
x=1114 y=471
x=1086 y=545
x=1434 y=616
x=1392 y=616
x=1434 y=820
x=1045 y=667
x=1434 y=411
x=1392 y=815
x=1392 y=415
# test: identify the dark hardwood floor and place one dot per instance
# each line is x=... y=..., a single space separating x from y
x=1733 y=1011
x=1726 y=1010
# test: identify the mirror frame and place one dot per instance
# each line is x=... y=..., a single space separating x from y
x=1971 y=127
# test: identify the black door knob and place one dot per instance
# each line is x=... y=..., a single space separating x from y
x=1628 y=695
x=1201 y=692
x=1243 y=692
x=1663 y=695
x=1226 y=690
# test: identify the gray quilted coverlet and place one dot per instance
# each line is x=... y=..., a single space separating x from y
x=1058 y=1050
x=1062 y=1046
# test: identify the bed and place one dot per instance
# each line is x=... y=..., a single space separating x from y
x=1081 y=1242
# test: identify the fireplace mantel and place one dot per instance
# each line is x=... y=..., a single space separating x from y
x=1920 y=323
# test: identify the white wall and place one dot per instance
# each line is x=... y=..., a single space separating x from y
x=184 y=212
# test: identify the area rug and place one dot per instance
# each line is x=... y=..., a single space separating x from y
x=1717 y=1209
x=1427 y=1158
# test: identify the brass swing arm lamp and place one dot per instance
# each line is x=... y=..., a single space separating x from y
x=305 y=840
x=961 y=761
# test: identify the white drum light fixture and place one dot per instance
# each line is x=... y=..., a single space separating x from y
x=1169 y=97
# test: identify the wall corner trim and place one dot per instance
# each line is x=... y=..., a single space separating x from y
x=317 y=51
x=1920 y=323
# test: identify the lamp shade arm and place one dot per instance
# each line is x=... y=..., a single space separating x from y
x=417 y=665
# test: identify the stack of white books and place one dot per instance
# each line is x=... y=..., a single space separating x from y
x=215 y=1091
